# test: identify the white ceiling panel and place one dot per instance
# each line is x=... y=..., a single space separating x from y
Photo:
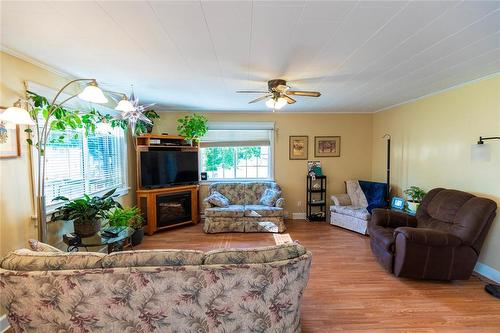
x=193 y=55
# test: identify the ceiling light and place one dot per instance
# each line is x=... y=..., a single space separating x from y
x=92 y=93
x=17 y=115
x=125 y=105
x=276 y=104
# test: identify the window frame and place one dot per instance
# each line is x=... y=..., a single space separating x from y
x=229 y=180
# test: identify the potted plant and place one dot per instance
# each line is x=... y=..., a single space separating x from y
x=128 y=217
x=142 y=127
x=192 y=127
x=86 y=213
x=414 y=196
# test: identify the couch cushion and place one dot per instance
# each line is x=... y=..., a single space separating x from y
x=269 y=197
x=234 y=192
x=384 y=237
x=153 y=258
x=262 y=211
x=255 y=190
x=218 y=199
x=356 y=194
x=357 y=212
x=27 y=260
x=230 y=211
x=42 y=247
x=254 y=255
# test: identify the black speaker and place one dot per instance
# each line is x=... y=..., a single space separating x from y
x=204 y=176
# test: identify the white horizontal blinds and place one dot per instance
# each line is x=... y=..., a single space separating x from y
x=232 y=134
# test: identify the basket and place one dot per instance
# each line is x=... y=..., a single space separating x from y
x=86 y=228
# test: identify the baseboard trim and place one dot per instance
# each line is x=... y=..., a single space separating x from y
x=4 y=324
x=298 y=216
x=488 y=272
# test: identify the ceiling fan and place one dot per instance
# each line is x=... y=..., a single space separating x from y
x=278 y=94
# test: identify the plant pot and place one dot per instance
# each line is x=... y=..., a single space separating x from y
x=413 y=206
x=137 y=237
x=149 y=128
x=86 y=228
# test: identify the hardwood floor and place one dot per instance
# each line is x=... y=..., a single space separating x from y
x=349 y=291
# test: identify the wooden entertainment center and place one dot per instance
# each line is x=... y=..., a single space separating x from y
x=165 y=207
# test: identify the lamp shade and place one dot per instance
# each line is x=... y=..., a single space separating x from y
x=125 y=106
x=276 y=104
x=92 y=93
x=480 y=152
x=17 y=115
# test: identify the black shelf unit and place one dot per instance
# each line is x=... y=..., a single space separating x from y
x=316 y=198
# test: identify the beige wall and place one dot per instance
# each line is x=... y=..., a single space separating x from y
x=16 y=208
x=431 y=140
x=354 y=162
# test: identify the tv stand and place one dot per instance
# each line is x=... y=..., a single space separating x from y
x=168 y=207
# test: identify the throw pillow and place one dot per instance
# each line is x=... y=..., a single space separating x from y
x=217 y=199
x=269 y=197
x=41 y=247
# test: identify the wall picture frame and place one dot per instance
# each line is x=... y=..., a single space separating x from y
x=327 y=146
x=9 y=140
x=298 y=147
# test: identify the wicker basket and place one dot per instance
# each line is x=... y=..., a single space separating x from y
x=86 y=228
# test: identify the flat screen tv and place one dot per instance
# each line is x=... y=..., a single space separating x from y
x=168 y=167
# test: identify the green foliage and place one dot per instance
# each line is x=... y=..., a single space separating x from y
x=192 y=127
x=415 y=193
x=224 y=156
x=86 y=209
x=141 y=127
x=125 y=217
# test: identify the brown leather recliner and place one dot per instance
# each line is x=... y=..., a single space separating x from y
x=442 y=242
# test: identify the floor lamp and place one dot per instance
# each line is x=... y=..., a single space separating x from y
x=24 y=115
x=388 y=169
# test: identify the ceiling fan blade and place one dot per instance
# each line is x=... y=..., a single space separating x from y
x=304 y=93
x=260 y=98
x=252 y=92
x=288 y=99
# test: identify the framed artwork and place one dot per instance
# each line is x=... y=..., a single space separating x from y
x=327 y=146
x=298 y=147
x=398 y=203
x=9 y=140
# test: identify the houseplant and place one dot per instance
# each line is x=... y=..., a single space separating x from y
x=414 y=196
x=192 y=127
x=142 y=127
x=86 y=213
x=128 y=217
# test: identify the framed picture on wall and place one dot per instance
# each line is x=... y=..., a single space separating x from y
x=9 y=140
x=327 y=146
x=298 y=147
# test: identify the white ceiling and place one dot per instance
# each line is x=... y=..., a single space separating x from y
x=194 y=55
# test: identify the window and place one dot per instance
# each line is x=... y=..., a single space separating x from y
x=242 y=152
x=85 y=165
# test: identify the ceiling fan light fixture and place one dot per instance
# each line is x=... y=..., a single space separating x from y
x=276 y=104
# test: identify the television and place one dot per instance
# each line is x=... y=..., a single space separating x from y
x=162 y=168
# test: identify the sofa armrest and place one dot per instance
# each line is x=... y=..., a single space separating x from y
x=206 y=204
x=392 y=219
x=280 y=203
x=428 y=237
x=341 y=199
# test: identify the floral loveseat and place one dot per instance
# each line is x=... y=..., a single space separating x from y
x=227 y=290
x=245 y=213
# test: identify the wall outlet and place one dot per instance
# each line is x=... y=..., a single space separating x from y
x=299 y=203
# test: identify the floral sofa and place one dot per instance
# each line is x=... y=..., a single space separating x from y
x=245 y=212
x=227 y=290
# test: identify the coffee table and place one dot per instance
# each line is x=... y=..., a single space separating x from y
x=113 y=244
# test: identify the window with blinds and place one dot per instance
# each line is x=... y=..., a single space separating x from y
x=82 y=164
x=238 y=151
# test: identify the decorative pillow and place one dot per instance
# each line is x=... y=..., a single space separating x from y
x=269 y=197
x=27 y=260
x=254 y=255
x=218 y=199
x=42 y=247
x=141 y=258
